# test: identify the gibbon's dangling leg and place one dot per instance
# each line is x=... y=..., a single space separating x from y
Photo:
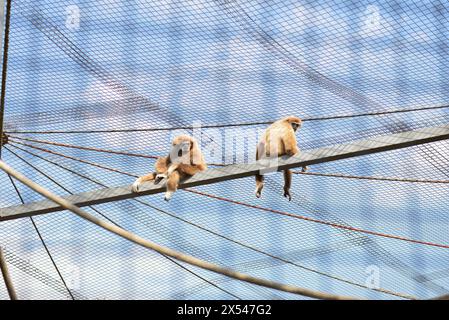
x=259 y=185
x=287 y=184
x=172 y=184
x=259 y=178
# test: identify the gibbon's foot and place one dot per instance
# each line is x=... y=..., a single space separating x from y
x=136 y=185
x=159 y=177
x=168 y=195
x=305 y=169
x=288 y=195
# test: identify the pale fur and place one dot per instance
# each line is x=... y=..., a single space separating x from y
x=175 y=168
x=278 y=139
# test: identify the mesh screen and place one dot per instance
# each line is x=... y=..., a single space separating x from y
x=96 y=90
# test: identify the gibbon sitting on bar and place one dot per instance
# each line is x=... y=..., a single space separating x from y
x=184 y=160
x=279 y=139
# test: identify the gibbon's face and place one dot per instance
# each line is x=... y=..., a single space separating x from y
x=296 y=126
x=183 y=147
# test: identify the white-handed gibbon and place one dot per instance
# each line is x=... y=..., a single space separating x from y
x=278 y=140
x=184 y=160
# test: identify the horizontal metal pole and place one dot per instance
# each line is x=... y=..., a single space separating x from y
x=305 y=158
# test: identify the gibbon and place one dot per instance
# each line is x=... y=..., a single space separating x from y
x=184 y=160
x=279 y=139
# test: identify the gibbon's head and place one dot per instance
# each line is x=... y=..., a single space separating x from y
x=295 y=122
x=183 y=144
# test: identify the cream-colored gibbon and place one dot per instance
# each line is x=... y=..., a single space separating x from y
x=184 y=160
x=278 y=140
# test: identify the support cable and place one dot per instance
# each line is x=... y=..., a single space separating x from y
x=334 y=175
x=242 y=124
x=331 y=224
x=116 y=224
x=328 y=223
x=373 y=178
x=43 y=241
x=405 y=296
x=164 y=250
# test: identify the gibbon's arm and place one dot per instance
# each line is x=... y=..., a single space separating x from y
x=172 y=168
x=289 y=140
x=161 y=164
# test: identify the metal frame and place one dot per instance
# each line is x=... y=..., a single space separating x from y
x=7 y=277
x=326 y=154
x=5 y=20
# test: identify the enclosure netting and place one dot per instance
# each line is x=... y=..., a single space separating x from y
x=97 y=89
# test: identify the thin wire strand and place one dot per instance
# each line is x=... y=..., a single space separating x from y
x=43 y=241
x=331 y=224
x=225 y=237
x=116 y=224
x=170 y=252
x=243 y=124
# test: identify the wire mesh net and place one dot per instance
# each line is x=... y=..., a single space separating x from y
x=96 y=91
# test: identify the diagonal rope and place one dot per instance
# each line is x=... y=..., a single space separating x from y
x=7 y=277
x=43 y=241
x=334 y=175
x=130 y=154
x=172 y=253
x=374 y=178
x=331 y=224
x=225 y=237
x=117 y=225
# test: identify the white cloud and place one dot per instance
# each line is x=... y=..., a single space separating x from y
x=374 y=24
x=98 y=91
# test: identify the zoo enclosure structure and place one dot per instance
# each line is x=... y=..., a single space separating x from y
x=118 y=101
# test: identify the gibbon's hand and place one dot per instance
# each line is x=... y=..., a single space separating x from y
x=168 y=195
x=160 y=177
x=305 y=169
x=288 y=195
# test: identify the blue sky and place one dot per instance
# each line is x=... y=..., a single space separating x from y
x=198 y=62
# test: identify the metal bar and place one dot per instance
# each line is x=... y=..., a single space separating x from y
x=7 y=277
x=5 y=22
x=326 y=154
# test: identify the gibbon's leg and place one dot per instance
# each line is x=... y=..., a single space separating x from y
x=172 y=185
x=259 y=185
x=259 y=177
x=160 y=166
x=287 y=184
x=149 y=177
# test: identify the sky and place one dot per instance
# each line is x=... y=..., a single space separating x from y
x=108 y=65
